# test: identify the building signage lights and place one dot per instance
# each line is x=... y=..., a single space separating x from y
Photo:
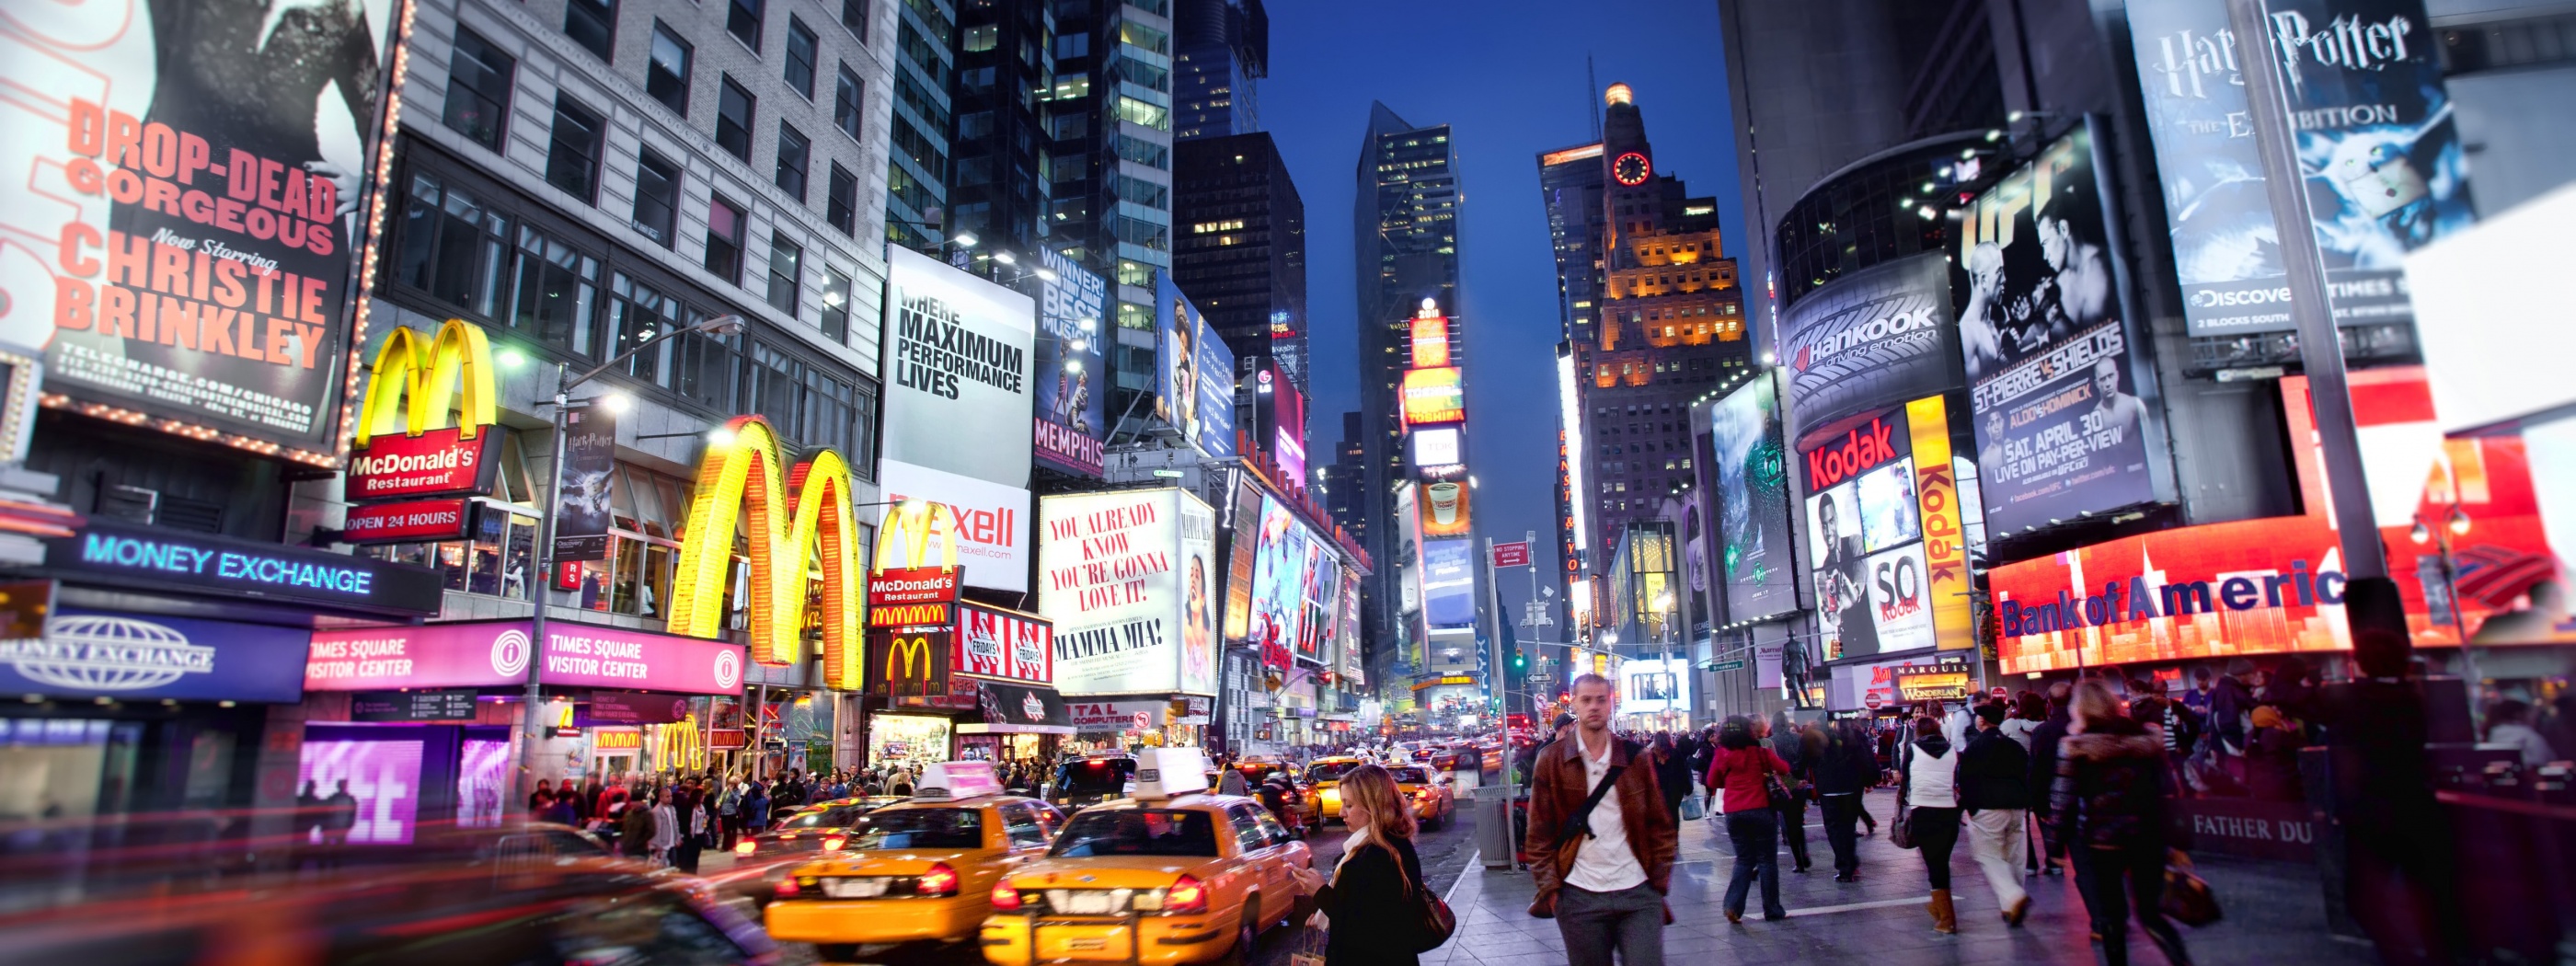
x=1434 y=396
x=746 y=475
x=403 y=450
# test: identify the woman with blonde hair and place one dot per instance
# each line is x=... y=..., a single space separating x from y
x=1372 y=902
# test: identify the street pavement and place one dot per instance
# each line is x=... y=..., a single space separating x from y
x=2274 y=914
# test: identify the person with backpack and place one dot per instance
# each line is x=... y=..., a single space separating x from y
x=1372 y=908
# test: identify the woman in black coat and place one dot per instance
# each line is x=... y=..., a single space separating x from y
x=2108 y=796
x=1372 y=906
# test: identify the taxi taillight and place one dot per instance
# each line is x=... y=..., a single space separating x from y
x=743 y=847
x=833 y=843
x=1185 y=895
x=786 y=889
x=1004 y=897
x=939 y=881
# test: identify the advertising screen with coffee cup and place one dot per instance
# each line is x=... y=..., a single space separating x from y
x=1444 y=509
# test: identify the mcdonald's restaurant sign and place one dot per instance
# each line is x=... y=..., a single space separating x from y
x=909 y=662
x=405 y=447
x=747 y=477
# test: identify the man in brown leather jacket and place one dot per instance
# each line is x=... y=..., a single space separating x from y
x=1605 y=883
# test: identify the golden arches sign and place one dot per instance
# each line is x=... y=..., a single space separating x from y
x=747 y=475
x=909 y=527
x=429 y=372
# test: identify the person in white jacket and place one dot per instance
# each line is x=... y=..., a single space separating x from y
x=666 y=827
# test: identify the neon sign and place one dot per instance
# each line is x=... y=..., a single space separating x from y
x=746 y=475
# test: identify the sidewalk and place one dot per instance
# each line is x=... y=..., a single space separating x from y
x=2274 y=914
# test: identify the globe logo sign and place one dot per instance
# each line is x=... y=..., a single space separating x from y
x=91 y=652
x=510 y=653
x=728 y=669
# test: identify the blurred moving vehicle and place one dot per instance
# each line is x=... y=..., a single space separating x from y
x=527 y=897
x=1324 y=786
x=1257 y=767
x=921 y=870
x=804 y=829
x=1433 y=794
x=1172 y=875
x=1083 y=781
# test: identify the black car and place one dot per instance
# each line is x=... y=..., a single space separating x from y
x=1090 y=780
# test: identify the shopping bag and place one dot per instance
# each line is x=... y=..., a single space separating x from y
x=2187 y=896
x=1694 y=808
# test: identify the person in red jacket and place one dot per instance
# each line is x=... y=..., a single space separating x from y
x=1738 y=770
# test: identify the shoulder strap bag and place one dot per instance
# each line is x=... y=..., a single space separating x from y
x=1900 y=832
x=1569 y=840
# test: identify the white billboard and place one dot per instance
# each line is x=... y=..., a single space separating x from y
x=1129 y=578
x=992 y=521
x=1654 y=686
x=957 y=391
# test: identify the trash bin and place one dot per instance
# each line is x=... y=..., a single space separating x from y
x=1494 y=825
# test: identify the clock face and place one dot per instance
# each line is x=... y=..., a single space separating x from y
x=1631 y=168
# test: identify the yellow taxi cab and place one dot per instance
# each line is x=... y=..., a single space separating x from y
x=1172 y=875
x=920 y=870
x=1324 y=785
x=1433 y=797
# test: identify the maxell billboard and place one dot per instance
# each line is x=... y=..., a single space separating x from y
x=957 y=371
x=190 y=173
x=2381 y=158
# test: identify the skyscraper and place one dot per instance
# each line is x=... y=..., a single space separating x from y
x=1668 y=324
x=1241 y=250
x=999 y=185
x=1569 y=183
x=917 y=172
x=1405 y=254
x=1224 y=50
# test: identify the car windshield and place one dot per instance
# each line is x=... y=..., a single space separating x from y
x=1330 y=771
x=834 y=816
x=918 y=828
x=1137 y=831
x=1093 y=776
x=1408 y=775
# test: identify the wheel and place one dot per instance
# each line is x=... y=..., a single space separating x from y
x=1247 y=935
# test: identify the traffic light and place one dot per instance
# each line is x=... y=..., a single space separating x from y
x=1519 y=661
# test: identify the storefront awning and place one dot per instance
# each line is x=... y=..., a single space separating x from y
x=1019 y=709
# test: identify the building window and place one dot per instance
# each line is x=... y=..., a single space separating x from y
x=836 y=304
x=976 y=79
x=1069 y=46
x=657 y=198
x=742 y=20
x=800 y=56
x=1135 y=111
x=786 y=272
x=593 y=25
x=666 y=76
x=478 y=89
x=841 y=201
x=792 y=149
x=854 y=18
x=572 y=153
x=734 y=107
x=453 y=247
x=557 y=287
x=847 y=96
x=724 y=239
x=980 y=39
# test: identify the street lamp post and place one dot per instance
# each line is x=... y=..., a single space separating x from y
x=2455 y=524
x=531 y=725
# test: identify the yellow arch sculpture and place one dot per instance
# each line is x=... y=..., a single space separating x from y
x=746 y=475
x=429 y=372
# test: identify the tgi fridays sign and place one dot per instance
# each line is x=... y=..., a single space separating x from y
x=1003 y=645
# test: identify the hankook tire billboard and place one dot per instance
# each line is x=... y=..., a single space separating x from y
x=1876 y=338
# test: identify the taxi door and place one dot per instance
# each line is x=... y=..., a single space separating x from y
x=1027 y=829
x=1263 y=859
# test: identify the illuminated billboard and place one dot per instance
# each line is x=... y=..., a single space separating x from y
x=1297 y=577
x=1128 y=577
x=957 y=350
x=1890 y=572
x=1753 y=505
x=2067 y=416
x=1439 y=449
x=1071 y=368
x=1194 y=375
x=2276 y=584
x=1444 y=510
x=1430 y=342
x=1433 y=396
x=198 y=194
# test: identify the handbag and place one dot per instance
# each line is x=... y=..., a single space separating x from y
x=1433 y=922
x=1694 y=808
x=1900 y=830
x=2187 y=897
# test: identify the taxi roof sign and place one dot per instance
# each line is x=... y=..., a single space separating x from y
x=957 y=779
x=1166 y=773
